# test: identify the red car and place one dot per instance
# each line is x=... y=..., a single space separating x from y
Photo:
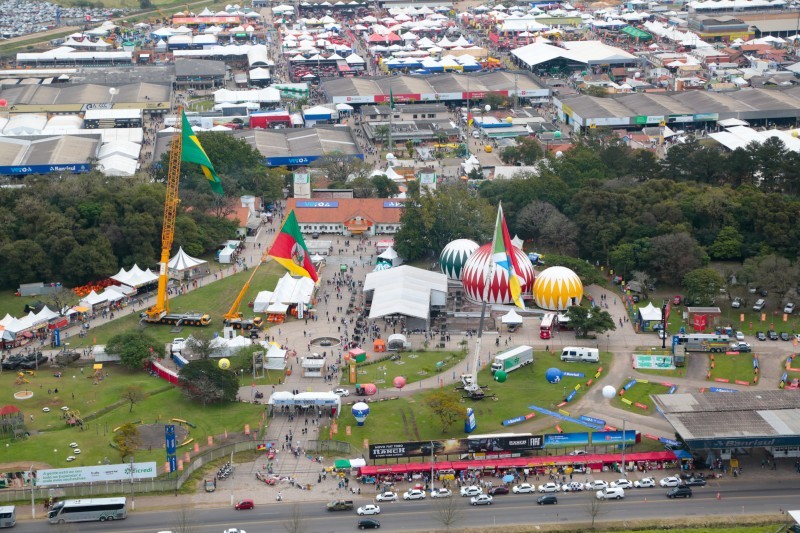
x=244 y=504
x=676 y=300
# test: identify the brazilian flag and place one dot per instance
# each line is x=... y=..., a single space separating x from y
x=193 y=152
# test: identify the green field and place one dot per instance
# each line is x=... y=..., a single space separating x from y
x=414 y=366
x=732 y=367
x=49 y=431
x=409 y=419
x=639 y=393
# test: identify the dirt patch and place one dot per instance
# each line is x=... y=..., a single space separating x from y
x=152 y=435
x=23 y=467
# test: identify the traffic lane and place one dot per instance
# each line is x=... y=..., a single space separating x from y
x=505 y=511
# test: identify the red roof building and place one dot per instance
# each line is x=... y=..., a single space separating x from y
x=348 y=216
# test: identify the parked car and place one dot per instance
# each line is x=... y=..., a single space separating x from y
x=414 y=494
x=760 y=336
x=498 y=490
x=740 y=347
x=610 y=493
x=341 y=392
x=573 y=486
x=671 y=481
x=597 y=484
x=773 y=336
x=679 y=492
x=386 y=497
x=577 y=452
x=368 y=509
x=368 y=523
x=645 y=483
x=785 y=336
x=736 y=303
x=471 y=491
x=622 y=483
x=789 y=308
x=547 y=499
x=481 y=499
x=549 y=487
x=740 y=336
x=524 y=488
x=244 y=504
x=695 y=482
x=441 y=493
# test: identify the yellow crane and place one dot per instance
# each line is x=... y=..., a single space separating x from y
x=233 y=317
x=159 y=313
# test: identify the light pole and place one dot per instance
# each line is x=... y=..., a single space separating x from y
x=624 y=470
x=432 y=462
x=33 y=488
x=55 y=457
x=608 y=342
x=133 y=496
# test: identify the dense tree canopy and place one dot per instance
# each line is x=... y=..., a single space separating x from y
x=203 y=381
x=133 y=347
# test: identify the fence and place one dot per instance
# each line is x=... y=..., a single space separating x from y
x=328 y=446
x=123 y=487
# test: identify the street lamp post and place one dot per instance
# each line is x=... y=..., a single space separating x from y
x=608 y=342
x=432 y=460
x=133 y=497
x=33 y=489
x=624 y=470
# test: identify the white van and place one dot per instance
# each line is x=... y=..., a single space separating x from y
x=759 y=305
x=611 y=493
x=8 y=516
x=579 y=353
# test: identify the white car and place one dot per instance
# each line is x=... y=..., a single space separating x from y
x=671 y=481
x=577 y=452
x=234 y=530
x=789 y=309
x=386 y=497
x=622 y=483
x=597 y=484
x=549 y=487
x=414 y=494
x=368 y=509
x=441 y=493
x=610 y=493
x=471 y=491
x=73 y=444
x=65 y=408
x=645 y=483
x=525 y=488
x=572 y=486
x=45 y=409
x=481 y=499
x=341 y=392
x=71 y=458
x=740 y=336
x=76 y=451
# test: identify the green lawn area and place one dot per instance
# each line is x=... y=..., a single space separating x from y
x=214 y=299
x=414 y=366
x=163 y=402
x=732 y=367
x=406 y=419
x=639 y=393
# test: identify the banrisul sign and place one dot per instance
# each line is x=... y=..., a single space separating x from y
x=93 y=474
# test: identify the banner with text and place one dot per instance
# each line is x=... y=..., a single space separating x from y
x=93 y=474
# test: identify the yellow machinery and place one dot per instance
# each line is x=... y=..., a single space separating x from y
x=233 y=317
x=159 y=312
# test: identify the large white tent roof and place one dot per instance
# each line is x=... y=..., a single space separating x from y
x=650 y=312
x=182 y=261
x=404 y=290
x=268 y=94
x=135 y=277
x=586 y=52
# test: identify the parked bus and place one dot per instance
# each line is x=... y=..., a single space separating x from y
x=548 y=325
x=697 y=342
x=8 y=516
x=101 y=509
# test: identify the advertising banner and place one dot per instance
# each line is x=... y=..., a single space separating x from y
x=505 y=444
x=93 y=474
x=456 y=446
x=562 y=440
x=613 y=437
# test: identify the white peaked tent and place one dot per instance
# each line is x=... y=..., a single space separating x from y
x=650 y=313
x=511 y=318
x=182 y=265
x=92 y=299
x=390 y=255
x=135 y=277
x=516 y=241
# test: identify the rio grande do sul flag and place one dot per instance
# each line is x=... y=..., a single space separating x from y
x=289 y=249
x=503 y=257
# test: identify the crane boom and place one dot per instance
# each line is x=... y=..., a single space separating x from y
x=234 y=317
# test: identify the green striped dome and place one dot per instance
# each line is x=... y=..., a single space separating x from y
x=454 y=256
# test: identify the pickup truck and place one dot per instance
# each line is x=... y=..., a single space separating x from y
x=340 y=505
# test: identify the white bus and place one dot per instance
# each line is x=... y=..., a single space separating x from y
x=101 y=509
x=8 y=516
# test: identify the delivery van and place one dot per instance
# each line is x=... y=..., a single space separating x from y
x=578 y=353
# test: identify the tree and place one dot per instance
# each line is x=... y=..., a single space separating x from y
x=133 y=347
x=183 y=521
x=446 y=407
x=585 y=320
x=596 y=508
x=127 y=440
x=384 y=187
x=203 y=381
x=382 y=133
x=340 y=168
x=672 y=256
x=60 y=299
x=434 y=218
x=548 y=228
x=296 y=523
x=201 y=345
x=728 y=244
x=448 y=512
x=133 y=394
x=703 y=283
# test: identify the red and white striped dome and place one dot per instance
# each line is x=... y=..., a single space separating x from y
x=493 y=291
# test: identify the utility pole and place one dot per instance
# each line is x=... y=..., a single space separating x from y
x=133 y=496
x=624 y=470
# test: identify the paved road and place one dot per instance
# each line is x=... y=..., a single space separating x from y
x=574 y=509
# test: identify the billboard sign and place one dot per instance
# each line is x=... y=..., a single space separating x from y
x=93 y=474
x=613 y=437
x=556 y=440
x=505 y=444
x=519 y=443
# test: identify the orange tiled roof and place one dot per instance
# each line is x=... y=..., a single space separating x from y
x=347 y=208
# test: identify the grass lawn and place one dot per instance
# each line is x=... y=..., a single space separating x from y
x=214 y=299
x=163 y=402
x=639 y=393
x=414 y=366
x=732 y=367
x=407 y=419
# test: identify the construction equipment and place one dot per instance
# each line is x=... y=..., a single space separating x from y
x=159 y=312
x=234 y=318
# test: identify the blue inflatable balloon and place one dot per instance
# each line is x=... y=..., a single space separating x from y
x=360 y=412
x=553 y=375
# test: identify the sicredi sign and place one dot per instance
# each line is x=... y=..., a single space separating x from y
x=93 y=474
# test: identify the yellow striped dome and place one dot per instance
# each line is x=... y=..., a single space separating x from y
x=557 y=288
